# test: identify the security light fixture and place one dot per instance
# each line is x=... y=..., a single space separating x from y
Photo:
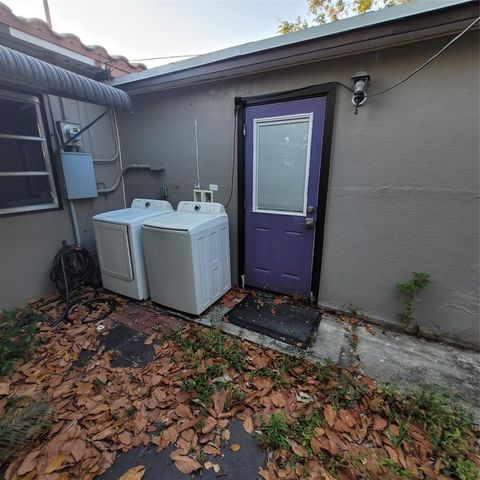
x=360 y=81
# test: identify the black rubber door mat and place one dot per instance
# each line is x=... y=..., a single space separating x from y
x=289 y=323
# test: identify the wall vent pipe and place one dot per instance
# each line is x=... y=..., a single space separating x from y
x=122 y=172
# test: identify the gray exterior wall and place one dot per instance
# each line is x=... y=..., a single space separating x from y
x=403 y=179
x=29 y=242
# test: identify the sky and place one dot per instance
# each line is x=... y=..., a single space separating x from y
x=153 y=28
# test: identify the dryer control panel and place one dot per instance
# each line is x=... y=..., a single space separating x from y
x=151 y=204
x=201 y=207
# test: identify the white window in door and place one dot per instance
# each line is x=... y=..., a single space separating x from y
x=281 y=160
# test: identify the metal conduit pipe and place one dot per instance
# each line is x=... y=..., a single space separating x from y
x=125 y=169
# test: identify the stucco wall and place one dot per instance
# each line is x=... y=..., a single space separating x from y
x=403 y=180
x=28 y=242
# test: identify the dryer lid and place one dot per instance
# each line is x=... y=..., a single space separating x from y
x=185 y=222
x=135 y=215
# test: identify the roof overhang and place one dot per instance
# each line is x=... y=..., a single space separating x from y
x=384 y=28
x=23 y=71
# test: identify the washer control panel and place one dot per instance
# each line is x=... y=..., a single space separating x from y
x=150 y=204
x=201 y=207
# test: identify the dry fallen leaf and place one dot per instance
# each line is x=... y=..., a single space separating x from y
x=29 y=463
x=186 y=464
x=277 y=399
x=78 y=449
x=209 y=425
x=4 y=388
x=379 y=423
x=150 y=339
x=330 y=415
x=135 y=473
x=248 y=425
x=125 y=438
x=55 y=463
x=298 y=449
x=235 y=447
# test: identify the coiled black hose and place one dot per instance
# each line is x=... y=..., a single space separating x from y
x=72 y=267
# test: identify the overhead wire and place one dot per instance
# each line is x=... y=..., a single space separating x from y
x=430 y=60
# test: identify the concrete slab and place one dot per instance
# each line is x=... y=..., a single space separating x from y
x=332 y=342
x=409 y=362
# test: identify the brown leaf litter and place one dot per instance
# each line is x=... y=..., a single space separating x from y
x=194 y=393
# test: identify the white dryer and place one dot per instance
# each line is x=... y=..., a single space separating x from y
x=188 y=256
x=119 y=246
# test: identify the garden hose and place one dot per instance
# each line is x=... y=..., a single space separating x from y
x=73 y=266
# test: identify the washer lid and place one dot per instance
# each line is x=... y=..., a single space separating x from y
x=131 y=216
x=185 y=222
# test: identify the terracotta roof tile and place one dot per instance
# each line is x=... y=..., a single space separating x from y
x=117 y=64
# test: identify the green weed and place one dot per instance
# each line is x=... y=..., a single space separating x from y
x=18 y=337
x=411 y=290
x=304 y=426
x=201 y=385
x=160 y=426
x=346 y=392
x=274 y=432
x=335 y=463
x=396 y=471
x=402 y=437
x=448 y=426
x=463 y=469
x=323 y=370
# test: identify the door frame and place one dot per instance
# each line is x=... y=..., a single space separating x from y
x=327 y=90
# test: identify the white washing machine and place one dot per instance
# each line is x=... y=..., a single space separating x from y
x=119 y=246
x=188 y=256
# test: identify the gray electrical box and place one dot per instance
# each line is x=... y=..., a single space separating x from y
x=79 y=175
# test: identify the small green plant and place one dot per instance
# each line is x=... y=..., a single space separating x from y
x=237 y=396
x=130 y=411
x=402 y=437
x=396 y=471
x=235 y=357
x=18 y=337
x=176 y=336
x=267 y=372
x=335 y=463
x=22 y=424
x=274 y=432
x=346 y=392
x=160 y=426
x=447 y=425
x=200 y=384
x=411 y=290
x=462 y=468
x=215 y=370
x=323 y=370
x=216 y=344
x=214 y=341
x=201 y=457
x=304 y=427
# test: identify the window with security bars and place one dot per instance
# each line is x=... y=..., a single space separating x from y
x=26 y=180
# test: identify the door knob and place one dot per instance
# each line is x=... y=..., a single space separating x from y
x=309 y=223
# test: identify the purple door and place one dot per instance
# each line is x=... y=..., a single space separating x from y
x=283 y=145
